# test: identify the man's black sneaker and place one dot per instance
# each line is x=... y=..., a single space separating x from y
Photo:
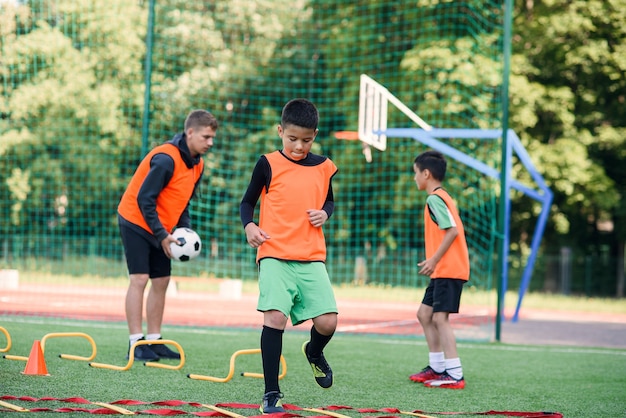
x=271 y=403
x=143 y=352
x=163 y=351
x=321 y=370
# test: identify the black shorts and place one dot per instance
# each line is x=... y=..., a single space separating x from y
x=444 y=295
x=142 y=257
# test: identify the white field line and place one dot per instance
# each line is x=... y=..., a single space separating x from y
x=377 y=339
x=386 y=324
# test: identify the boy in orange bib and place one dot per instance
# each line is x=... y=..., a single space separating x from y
x=447 y=265
x=296 y=194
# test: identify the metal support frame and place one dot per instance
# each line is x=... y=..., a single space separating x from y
x=542 y=194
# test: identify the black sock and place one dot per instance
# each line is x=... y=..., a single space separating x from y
x=317 y=343
x=271 y=349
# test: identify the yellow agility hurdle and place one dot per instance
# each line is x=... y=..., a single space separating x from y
x=131 y=357
x=64 y=356
x=8 y=336
x=231 y=372
x=71 y=334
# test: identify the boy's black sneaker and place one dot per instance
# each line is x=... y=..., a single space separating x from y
x=271 y=403
x=163 y=351
x=321 y=370
x=142 y=352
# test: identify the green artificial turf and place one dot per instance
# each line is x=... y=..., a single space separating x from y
x=370 y=372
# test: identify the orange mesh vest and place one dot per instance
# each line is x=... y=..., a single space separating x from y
x=174 y=197
x=293 y=189
x=455 y=262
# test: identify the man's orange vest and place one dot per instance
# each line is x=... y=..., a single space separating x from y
x=294 y=188
x=173 y=198
x=455 y=262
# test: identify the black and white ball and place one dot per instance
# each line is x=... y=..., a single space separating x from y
x=190 y=244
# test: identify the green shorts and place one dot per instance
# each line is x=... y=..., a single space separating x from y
x=299 y=290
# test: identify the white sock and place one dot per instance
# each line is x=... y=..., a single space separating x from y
x=153 y=336
x=133 y=338
x=453 y=367
x=437 y=362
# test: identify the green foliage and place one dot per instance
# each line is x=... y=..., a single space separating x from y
x=70 y=82
x=73 y=91
x=567 y=95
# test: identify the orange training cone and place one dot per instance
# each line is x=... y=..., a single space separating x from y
x=36 y=363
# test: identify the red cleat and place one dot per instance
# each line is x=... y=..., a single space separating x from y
x=445 y=381
x=427 y=373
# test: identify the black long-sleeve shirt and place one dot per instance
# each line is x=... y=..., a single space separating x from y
x=161 y=172
x=262 y=177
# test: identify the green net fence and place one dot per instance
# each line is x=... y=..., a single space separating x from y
x=88 y=87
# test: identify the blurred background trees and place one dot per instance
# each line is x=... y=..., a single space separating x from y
x=72 y=97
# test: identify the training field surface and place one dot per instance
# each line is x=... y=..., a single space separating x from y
x=551 y=361
x=203 y=309
x=371 y=376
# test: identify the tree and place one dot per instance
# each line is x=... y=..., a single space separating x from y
x=567 y=102
x=70 y=77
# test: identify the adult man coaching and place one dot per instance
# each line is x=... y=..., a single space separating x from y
x=155 y=202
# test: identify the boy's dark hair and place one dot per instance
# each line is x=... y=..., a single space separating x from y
x=433 y=161
x=300 y=112
x=200 y=118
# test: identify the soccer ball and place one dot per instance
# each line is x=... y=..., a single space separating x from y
x=190 y=244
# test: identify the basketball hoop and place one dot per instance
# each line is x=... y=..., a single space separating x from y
x=354 y=136
x=374 y=101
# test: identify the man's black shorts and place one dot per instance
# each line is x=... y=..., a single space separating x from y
x=444 y=295
x=142 y=257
